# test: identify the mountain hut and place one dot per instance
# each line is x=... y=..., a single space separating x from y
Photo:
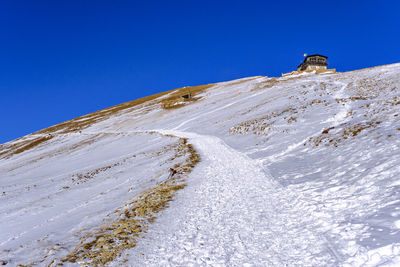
x=313 y=62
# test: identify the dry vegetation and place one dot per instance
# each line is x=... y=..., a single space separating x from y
x=367 y=96
x=51 y=151
x=84 y=177
x=374 y=112
x=78 y=124
x=21 y=145
x=265 y=84
x=85 y=121
x=175 y=99
x=334 y=136
x=108 y=242
x=263 y=125
x=372 y=88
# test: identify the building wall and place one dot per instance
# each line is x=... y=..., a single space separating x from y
x=316 y=59
x=316 y=67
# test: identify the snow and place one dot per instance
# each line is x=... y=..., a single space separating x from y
x=47 y=203
x=300 y=170
x=248 y=221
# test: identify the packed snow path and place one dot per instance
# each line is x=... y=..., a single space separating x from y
x=232 y=213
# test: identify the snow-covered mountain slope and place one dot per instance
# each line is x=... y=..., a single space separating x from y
x=299 y=170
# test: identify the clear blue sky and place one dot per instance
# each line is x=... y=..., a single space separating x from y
x=62 y=59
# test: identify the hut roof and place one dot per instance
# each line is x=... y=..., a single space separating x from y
x=316 y=55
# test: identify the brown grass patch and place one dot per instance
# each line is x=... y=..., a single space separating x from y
x=85 y=121
x=346 y=132
x=108 y=243
x=175 y=99
x=266 y=84
x=13 y=148
x=83 y=177
x=75 y=125
x=262 y=126
x=33 y=143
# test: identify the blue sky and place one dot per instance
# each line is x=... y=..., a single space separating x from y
x=63 y=59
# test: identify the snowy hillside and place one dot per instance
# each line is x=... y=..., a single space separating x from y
x=302 y=170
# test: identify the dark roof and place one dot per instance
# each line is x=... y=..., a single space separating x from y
x=316 y=55
x=304 y=62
